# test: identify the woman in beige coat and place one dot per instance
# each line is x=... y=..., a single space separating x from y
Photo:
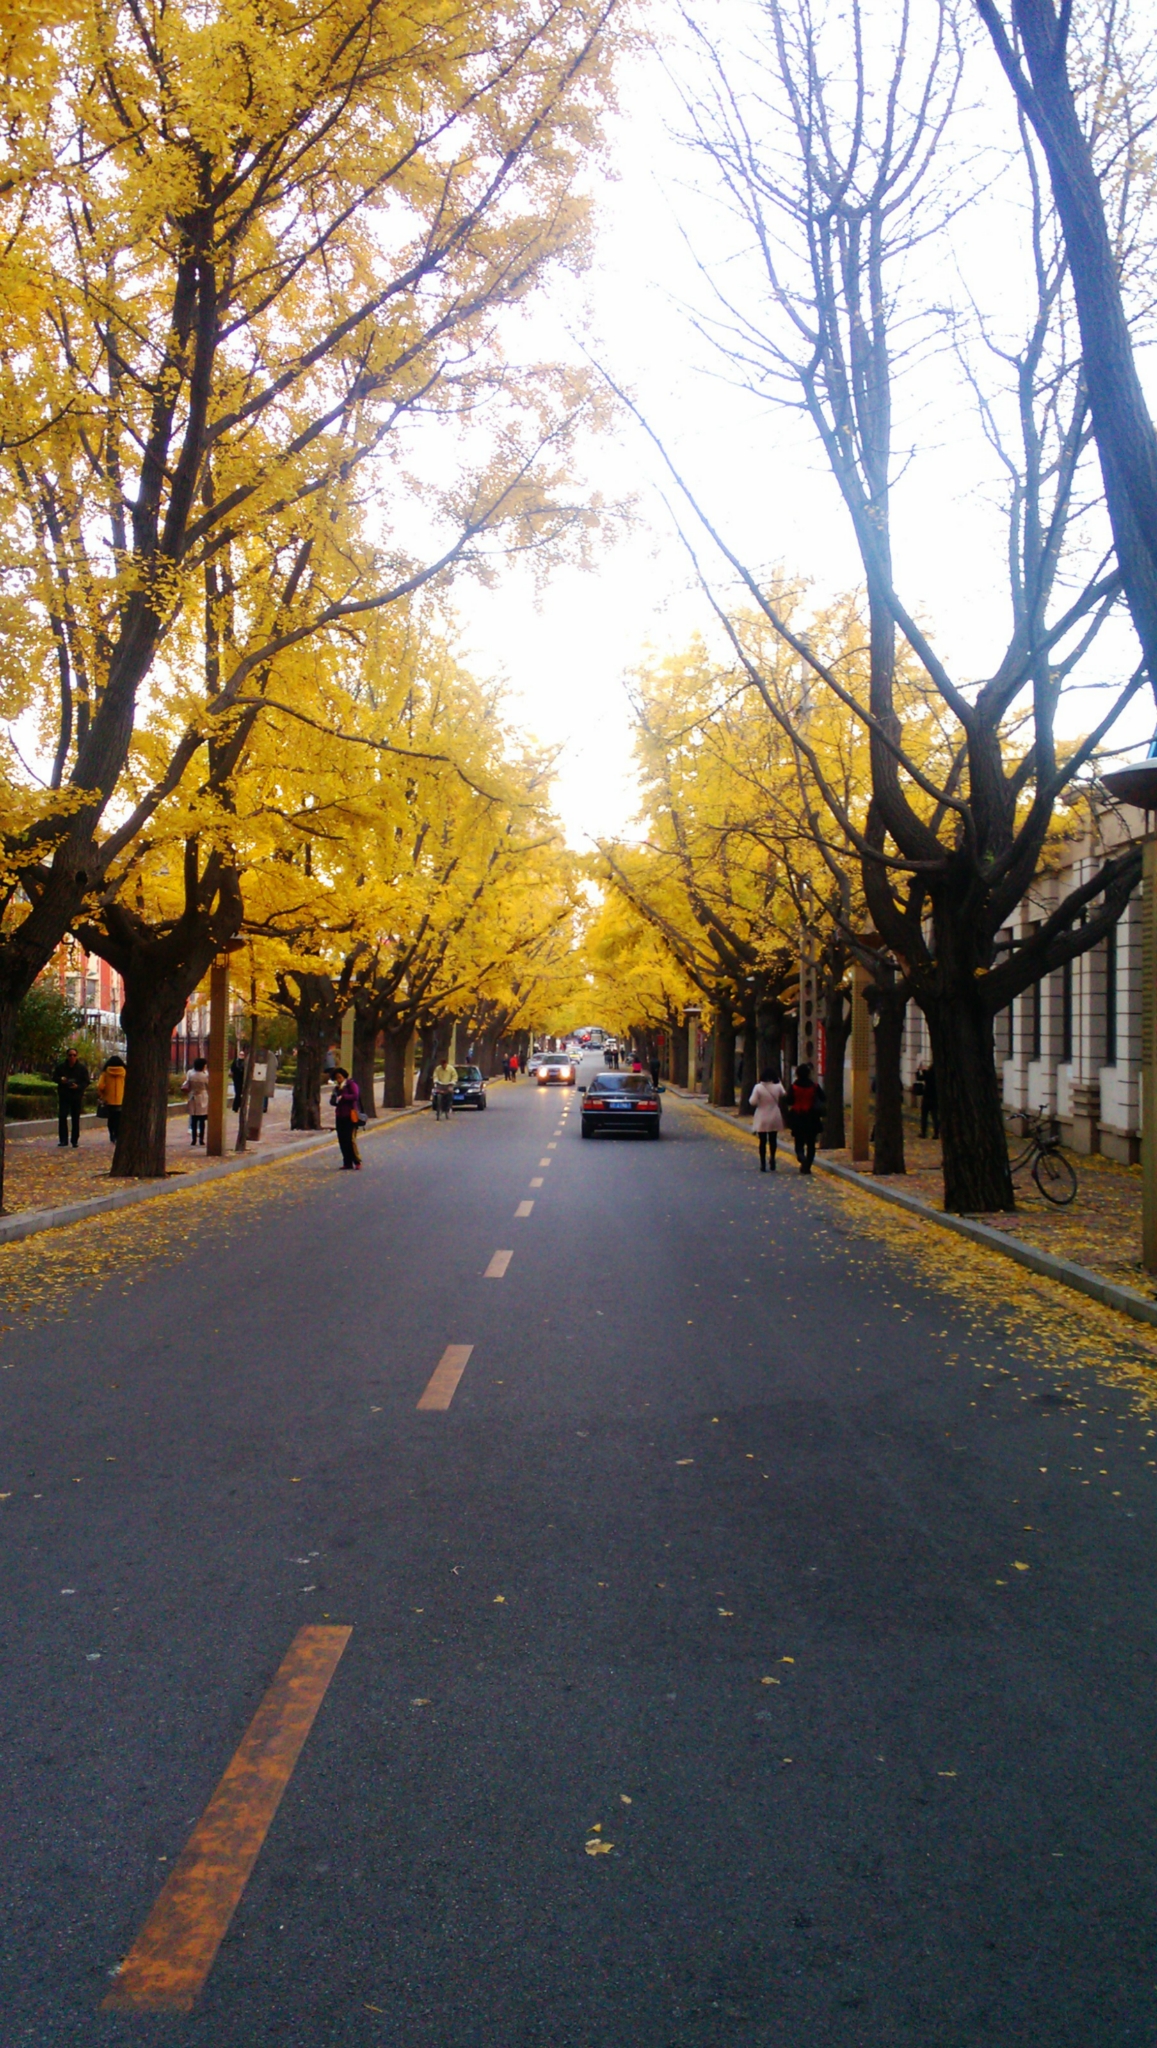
x=767 y=1098
x=196 y=1087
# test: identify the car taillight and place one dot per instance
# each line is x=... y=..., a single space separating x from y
x=646 y=1105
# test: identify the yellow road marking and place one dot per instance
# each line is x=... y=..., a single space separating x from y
x=496 y=1270
x=166 y=1968
x=537 y=1181
x=553 y=1145
x=443 y=1382
x=544 y=1162
x=523 y=1209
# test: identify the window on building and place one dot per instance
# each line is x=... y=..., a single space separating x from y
x=1111 y=997
x=1067 y=1011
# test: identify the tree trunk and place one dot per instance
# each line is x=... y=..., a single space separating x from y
x=837 y=1026
x=972 y=1129
x=315 y=1012
x=723 y=1058
x=769 y=1037
x=679 y=1054
x=365 y=1050
x=488 y=1051
x=150 y=1016
x=748 y=1068
x=395 y=1045
x=888 y=1006
x=8 y=1011
x=435 y=1046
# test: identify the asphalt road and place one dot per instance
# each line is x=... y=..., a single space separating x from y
x=695 y=1693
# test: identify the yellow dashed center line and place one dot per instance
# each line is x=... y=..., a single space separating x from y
x=443 y=1381
x=172 y=1956
x=496 y=1270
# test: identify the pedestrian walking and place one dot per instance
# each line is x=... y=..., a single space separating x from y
x=514 y=1066
x=110 y=1092
x=195 y=1089
x=767 y=1100
x=805 y=1108
x=346 y=1103
x=71 y=1078
x=929 y=1099
x=655 y=1070
x=445 y=1082
x=237 y=1076
x=506 y=1068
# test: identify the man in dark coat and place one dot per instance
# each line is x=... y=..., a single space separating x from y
x=929 y=1100
x=71 y=1078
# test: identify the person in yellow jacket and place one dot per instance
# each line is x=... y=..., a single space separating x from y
x=110 y=1089
x=445 y=1082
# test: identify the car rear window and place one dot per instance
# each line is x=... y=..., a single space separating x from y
x=620 y=1084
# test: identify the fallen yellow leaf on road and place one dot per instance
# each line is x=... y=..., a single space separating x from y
x=1017 y=1567
x=684 y=1461
x=595 y=1847
x=499 y=1600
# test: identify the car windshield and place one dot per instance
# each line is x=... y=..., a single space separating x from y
x=469 y=1074
x=558 y=1059
x=620 y=1084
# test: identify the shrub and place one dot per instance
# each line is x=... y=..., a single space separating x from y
x=45 y=1025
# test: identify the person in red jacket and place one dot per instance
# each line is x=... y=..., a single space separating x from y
x=805 y=1111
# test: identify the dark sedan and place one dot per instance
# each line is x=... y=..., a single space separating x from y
x=622 y=1102
x=470 y=1089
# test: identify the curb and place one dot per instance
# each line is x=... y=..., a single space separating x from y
x=1064 y=1271
x=33 y=1221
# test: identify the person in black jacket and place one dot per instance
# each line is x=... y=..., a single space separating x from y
x=71 y=1078
x=929 y=1100
x=805 y=1114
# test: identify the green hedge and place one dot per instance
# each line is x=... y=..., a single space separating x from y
x=30 y=1095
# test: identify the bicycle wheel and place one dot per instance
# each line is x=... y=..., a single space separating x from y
x=1055 y=1178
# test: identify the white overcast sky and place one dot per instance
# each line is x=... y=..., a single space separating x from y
x=565 y=650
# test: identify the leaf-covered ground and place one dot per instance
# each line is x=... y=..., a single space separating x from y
x=1101 y=1229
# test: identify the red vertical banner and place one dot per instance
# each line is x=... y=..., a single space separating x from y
x=821 y=1050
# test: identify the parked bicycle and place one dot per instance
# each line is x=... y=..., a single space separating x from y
x=1055 y=1176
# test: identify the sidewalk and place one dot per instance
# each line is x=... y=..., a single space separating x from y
x=43 y=1180
x=1100 y=1231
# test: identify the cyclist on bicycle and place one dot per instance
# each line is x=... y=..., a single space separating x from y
x=445 y=1082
